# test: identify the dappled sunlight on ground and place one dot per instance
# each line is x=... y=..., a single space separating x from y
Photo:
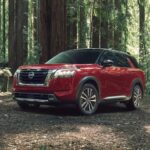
x=112 y=127
x=147 y=128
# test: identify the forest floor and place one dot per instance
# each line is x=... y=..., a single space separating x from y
x=50 y=128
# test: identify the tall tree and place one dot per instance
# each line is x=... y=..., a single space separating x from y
x=71 y=24
x=35 y=21
x=0 y=26
x=4 y=30
x=82 y=24
x=18 y=21
x=33 y=32
x=142 y=49
x=52 y=27
x=104 y=23
x=120 y=32
x=118 y=26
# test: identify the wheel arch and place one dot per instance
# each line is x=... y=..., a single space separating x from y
x=91 y=80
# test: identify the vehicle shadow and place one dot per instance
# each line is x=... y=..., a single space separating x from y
x=133 y=126
x=72 y=110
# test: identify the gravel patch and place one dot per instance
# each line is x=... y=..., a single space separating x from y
x=113 y=127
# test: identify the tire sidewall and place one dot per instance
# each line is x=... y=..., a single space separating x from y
x=131 y=105
x=88 y=85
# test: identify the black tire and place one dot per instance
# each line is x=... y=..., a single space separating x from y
x=88 y=99
x=23 y=105
x=36 y=106
x=134 y=102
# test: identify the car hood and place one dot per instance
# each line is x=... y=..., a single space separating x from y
x=57 y=66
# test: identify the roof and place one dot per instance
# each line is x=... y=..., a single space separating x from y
x=98 y=49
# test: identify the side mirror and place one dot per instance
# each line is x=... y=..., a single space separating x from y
x=107 y=63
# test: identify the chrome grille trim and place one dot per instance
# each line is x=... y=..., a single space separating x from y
x=37 y=80
x=31 y=100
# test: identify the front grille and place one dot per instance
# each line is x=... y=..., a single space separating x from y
x=32 y=76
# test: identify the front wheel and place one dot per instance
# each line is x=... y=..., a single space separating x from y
x=25 y=106
x=88 y=99
x=135 y=101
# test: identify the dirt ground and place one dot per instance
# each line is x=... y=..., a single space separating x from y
x=63 y=128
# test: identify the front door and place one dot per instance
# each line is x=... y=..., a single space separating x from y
x=113 y=78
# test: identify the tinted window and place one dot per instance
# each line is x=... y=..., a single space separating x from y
x=75 y=57
x=119 y=59
x=108 y=56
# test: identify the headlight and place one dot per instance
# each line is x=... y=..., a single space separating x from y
x=50 y=75
x=17 y=72
x=64 y=73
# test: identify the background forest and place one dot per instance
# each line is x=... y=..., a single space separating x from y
x=32 y=31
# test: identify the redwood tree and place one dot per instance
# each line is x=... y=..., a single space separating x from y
x=142 y=48
x=71 y=24
x=52 y=28
x=18 y=21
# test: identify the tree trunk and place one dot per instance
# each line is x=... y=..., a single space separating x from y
x=121 y=33
x=82 y=25
x=35 y=21
x=104 y=24
x=111 y=24
x=18 y=21
x=118 y=30
x=95 y=35
x=4 y=31
x=92 y=17
x=21 y=26
x=0 y=26
x=142 y=49
x=72 y=25
x=52 y=27
x=12 y=35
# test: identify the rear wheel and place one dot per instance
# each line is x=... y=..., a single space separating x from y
x=136 y=98
x=88 y=99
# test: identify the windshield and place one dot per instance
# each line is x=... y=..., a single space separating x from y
x=75 y=57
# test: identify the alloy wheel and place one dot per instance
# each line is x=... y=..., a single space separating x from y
x=137 y=96
x=88 y=99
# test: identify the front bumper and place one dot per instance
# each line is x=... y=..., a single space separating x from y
x=41 y=98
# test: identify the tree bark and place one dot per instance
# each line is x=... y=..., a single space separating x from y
x=12 y=36
x=142 y=49
x=35 y=4
x=52 y=28
x=0 y=26
x=72 y=25
x=104 y=24
x=118 y=30
x=4 y=31
x=18 y=21
x=82 y=25
x=95 y=35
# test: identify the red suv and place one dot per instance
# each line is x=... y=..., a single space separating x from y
x=84 y=77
